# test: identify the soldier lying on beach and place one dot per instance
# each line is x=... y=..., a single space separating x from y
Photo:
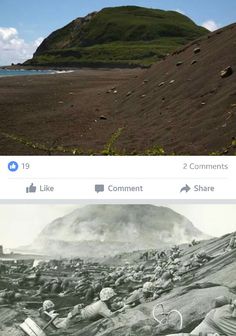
x=221 y=319
x=92 y=312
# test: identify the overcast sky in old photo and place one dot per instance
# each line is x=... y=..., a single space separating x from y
x=20 y=224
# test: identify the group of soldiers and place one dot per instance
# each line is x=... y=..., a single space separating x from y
x=102 y=290
x=158 y=272
x=119 y=288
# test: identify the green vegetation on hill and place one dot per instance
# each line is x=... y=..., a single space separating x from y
x=122 y=35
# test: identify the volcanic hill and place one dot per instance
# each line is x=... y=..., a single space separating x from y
x=97 y=230
x=127 y=35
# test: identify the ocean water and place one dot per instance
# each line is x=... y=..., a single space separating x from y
x=22 y=72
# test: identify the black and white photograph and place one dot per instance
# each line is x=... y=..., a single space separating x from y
x=117 y=269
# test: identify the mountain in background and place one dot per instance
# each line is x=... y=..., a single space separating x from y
x=99 y=230
x=128 y=35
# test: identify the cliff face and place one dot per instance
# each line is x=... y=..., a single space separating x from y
x=105 y=36
x=66 y=37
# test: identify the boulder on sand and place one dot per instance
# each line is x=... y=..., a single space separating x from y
x=226 y=72
x=197 y=50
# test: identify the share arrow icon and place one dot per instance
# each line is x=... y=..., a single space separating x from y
x=186 y=188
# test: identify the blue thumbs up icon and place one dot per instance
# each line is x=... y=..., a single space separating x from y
x=13 y=166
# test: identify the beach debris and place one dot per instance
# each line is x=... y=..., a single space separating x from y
x=143 y=96
x=179 y=63
x=172 y=81
x=112 y=90
x=161 y=84
x=230 y=114
x=197 y=50
x=31 y=328
x=145 y=81
x=102 y=117
x=129 y=93
x=226 y=72
x=61 y=102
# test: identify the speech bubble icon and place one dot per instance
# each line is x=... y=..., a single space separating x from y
x=99 y=188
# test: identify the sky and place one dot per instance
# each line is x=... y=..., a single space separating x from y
x=20 y=224
x=24 y=23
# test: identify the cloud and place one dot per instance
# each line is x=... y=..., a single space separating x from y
x=38 y=41
x=180 y=11
x=7 y=33
x=211 y=25
x=13 y=48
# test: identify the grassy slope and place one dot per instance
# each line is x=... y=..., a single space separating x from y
x=125 y=35
x=135 y=24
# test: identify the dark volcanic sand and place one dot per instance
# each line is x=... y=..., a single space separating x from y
x=195 y=114
x=59 y=110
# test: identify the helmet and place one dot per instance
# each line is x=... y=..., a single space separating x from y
x=148 y=287
x=221 y=301
x=18 y=296
x=166 y=276
x=106 y=294
x=48 y=304
x=201 y=254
